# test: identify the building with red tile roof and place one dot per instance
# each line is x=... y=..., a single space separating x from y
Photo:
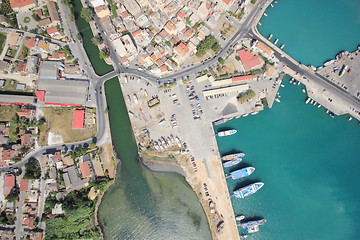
x=53 y=11
x=182 y=49
x=248 y=59
x=22 y=5
x=24 y=185
x=242 y=78
x=8 y=154
x=9 y=183
x=78 y=121
x=85 y=170
x=163 y=68
x=30 y=42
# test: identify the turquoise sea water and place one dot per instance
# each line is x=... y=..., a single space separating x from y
x=313 y=31
x=309 y=163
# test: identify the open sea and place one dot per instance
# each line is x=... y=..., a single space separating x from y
x=308 y=161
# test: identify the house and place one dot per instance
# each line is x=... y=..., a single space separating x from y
x=85 y=170
x=248 y=59
x=53 y=32
x=24 y=185
x=22 y=5
x=26 y=140
x=53 y=12
x=44 y=45
x=30 y=42
x=97 y=3
x=9 y=183
x=44 y=22
x=182 y=49
x=8 y=154
x=170 y=28
x=26 y=113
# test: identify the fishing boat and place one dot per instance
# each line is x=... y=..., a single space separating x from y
x=276 y=41
x=282 y=46
x=241 y=173
x=248 y=190
x=234 y=156
x=220 y=121
x=319 y=106
x=327 y=111
x=278 y=100
x=239 y=217
x=227 y=133
x=308 y=100
x=232 y=163
x=269 y=38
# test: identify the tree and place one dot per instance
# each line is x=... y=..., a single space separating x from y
x=12 y=197
x=96 y=40
x=104 y=54
x=87 y=14
x=72 y=17
x=221 y=61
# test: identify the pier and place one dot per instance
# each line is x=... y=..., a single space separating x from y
x=325 y=92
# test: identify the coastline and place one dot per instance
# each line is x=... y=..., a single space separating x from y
x=161 y=166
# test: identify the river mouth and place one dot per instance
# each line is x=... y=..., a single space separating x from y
x=143 y=204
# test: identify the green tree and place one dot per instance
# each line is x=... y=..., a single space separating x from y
x=32 y=170
x=12 y=197
x=87 y=14
x=221 y=61
x=72 y=17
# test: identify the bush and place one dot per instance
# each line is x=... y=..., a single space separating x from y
x=32 y=170
x=246 y=96
x=209 y=42
x=86 y=14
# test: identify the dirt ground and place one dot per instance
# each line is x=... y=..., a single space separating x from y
x=7 y=112
x=60 y=121
x=108 y=159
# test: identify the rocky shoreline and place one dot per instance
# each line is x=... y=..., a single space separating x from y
x=162 y=166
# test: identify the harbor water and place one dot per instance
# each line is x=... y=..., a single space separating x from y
x=309 y=163
x=143 y=204
x=313 y=31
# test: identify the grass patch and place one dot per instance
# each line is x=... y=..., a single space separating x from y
x=11 y=52
x=7 y=112
x=2 y=41
x=26 y=19
x=61 y=120
x=10 y=86
x=24 y=52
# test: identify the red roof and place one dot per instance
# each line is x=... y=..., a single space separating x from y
x=40 y=95
x=20 y=3
x=7 y=154
x=9 y=183
x=242 y=78
x=2 y=164
x=57 y=156
x=248 y=59
x=78 y=121
x=227 y=1
x=24 y=184
x=85 y=170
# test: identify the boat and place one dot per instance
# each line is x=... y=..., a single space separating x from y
x=232 y=162
x=291 y=80
x=307 y=100
x=248 y=224
x=244 y=236
x=271 y=5
x=265 y=14
x=227 y=133
x=312 y=101
x=315 y=103
x=350 y=118
x=259 y=23
x=254 y=113
x=248 y=190
x=234 y=156
x=269 y=38
x=319 y=106
x=282 y=46
x=245 y=115
x=278 y=100
x=298 y=83
x=304 y=91
x=239 y=217
x=327 y=111
x=276 y=41
x=241 y=173
x=282 y=85
x=220 y=121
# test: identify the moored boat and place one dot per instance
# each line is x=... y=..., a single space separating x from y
x=278 y=100
x=239 y=217
x=220 y=121
x=232 y=156
x=248 y=190
x=308 y=100
x=227 y=133
x=232 y=162
x=248 y=224
x=241 y=173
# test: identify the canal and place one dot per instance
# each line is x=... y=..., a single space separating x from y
x=141 y=204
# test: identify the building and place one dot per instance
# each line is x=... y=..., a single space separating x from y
x=85 y=170
x=223 y=90
x=9 y=183
x=248 y=59
x=53 y=32
x=97 y=3
x=78 y=119
x=53 y=12
x=22 y=5
x=8 y=154
x=264 y=49
x=49 y=70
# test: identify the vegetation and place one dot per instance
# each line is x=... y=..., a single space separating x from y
x=104 y=54
x=67 y=52
x=87 y=14
x=221 y=61
x=2 y=41
x=11 y=52
x=209 y=42
x=9 y=13
x=238 y=15
x=246 y=96
x=78 y=222
x=113 y=8
x=24 y=52
x=26 y=19
x=12 y=197
x=7 y=112
x=96 y=40
x=6 y=219
x=68 y=3
x=45 y=11
x=35 y=17
x=253 y=1
x=32 y=170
